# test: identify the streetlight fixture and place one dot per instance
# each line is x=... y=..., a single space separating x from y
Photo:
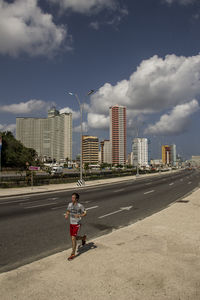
x=81 y=137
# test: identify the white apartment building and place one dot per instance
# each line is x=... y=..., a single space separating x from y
x=51 y=137
x=140 y=152
x=106 y=152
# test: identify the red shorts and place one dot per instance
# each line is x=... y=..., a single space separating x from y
x=74 y=229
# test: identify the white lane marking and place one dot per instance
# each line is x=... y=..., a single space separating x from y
x=54 y=208
x=189 y=182
x=14 y=201
x=171 y=183
x=56 y=198
x=148 y=183
x=115 y=212
x=91 y=207
x=149 y=192
x=33 y=206
x=119 y=190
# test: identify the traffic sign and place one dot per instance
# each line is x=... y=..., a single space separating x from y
x=33 y=168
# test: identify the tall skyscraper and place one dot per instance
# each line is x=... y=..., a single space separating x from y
x=106 y=152
x=90 y=149
x=118 y=134
x=51 y=137
x=140 y=152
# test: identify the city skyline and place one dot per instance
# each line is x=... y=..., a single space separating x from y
x=144 y=56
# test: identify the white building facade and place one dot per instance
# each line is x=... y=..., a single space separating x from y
x=51 y=137
x=140 y=152
x=106 y=152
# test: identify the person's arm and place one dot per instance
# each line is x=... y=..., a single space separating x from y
x=82 y=214
x=67 y=214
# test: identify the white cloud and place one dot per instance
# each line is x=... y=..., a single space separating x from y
x=86 y=6
x=113 y=21
x=158 y=84
x=78 y=128
x=98 y=121
x=176 y=122
x=8 y=127
x=95 y=25
x=183 y=2
x=25 y=28
x=25 y=107
x=75 y=114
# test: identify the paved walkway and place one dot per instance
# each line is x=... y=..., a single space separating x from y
x=156 y=258
x=69 y=186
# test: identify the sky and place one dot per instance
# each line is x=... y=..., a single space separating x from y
x=143 y=54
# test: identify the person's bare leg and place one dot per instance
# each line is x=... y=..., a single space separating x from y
x=73 y=245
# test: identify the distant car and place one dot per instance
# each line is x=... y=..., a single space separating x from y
x=56 y=170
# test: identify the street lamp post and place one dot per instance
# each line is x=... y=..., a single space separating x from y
x=81 y=138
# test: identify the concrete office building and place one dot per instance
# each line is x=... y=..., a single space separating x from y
x=90 y=149
x=118 y=134
x=140 y=152
x=106 y=152
x=51 y=137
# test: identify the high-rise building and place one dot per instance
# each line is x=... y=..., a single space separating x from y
x=106 y=152
x=118 y=134
x=90 y=149
x=173 y=155
x=166 y=154
x=140 y=152
x=51 y=137
x=169 y=154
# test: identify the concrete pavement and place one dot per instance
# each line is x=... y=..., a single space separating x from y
x=67 y=186
x=156 y=258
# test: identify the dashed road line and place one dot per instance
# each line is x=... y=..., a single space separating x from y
x=171 y=183
x=149 y=192
x=91 y=207
x=41 y=205
x=119 y=190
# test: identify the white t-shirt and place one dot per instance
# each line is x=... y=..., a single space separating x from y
x=76 y=209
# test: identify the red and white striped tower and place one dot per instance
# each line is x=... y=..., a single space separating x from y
x=118 y=134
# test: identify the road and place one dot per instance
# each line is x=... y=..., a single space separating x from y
x=33 y=226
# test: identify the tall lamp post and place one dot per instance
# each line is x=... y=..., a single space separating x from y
x=81 y=136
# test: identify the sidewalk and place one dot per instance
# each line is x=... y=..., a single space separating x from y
x=69 y=186
x=156 y=258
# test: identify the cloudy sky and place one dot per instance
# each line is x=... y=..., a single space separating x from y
x=144 y=54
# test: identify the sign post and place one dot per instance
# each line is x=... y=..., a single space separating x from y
x=33 y=168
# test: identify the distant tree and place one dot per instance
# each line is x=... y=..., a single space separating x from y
x=14 y=154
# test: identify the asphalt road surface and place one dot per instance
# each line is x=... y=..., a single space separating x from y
x=33 y=226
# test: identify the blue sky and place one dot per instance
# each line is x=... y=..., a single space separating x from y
x=141 y=54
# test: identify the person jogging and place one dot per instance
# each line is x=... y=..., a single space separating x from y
x=76 y=211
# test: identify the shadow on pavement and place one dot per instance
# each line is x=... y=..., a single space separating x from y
x=85 y=248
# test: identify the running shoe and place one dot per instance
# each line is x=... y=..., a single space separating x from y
x=72 y=256
x=84 y=240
